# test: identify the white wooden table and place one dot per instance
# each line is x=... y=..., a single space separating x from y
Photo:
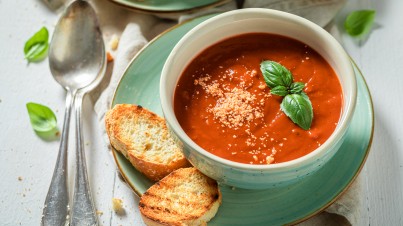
x=27 y=162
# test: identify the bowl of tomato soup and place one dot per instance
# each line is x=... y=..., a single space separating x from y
x=258 y=98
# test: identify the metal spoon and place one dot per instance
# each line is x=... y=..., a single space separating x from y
x=77 y=62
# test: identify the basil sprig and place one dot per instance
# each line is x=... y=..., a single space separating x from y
x=359 y=22
x=36 y=48
x=295 y=104
x=42 y=118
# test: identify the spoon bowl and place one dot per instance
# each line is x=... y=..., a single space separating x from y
x=77 y=61
x=78 y=52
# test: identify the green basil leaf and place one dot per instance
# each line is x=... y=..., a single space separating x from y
x=359 y=22
x=279 y=90
x=298 y=108
x=42 y=118
x=297 y=87
x=275 y=74
x=36 y=48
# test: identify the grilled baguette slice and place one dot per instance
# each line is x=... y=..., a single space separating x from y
x=184 y=197
x=143 y=138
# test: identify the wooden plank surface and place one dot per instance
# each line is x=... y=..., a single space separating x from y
x=27 y=162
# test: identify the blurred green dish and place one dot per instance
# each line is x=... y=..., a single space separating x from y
x=169 y=7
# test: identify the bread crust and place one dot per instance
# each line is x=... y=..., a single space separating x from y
x=125 y=123
x=184 y=197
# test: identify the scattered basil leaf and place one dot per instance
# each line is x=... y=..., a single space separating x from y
x=297 y=87
x=275 y=74
x=42 y=118
x=36 y=48
x=299 y=109
x=279 y=90
x=359 y=22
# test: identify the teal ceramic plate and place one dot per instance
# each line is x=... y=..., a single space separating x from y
x=139 y=85
x=168 y=7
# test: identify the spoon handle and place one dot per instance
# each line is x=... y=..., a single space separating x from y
x=83 y=212
x=56 y=206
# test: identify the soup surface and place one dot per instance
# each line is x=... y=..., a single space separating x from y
x=224 y=105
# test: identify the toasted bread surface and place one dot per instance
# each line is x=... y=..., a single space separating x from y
x=143 y=138
x=184 y=197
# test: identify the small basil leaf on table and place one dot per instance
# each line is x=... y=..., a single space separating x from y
x=298 y=108
x=297 y=87
x=275 y=74
x=359 y=22
x=36 y=48
x=279 y=90
x=42 y=118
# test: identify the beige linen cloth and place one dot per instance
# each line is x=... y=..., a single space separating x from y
x=134 y=30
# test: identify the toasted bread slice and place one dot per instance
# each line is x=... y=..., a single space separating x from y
x=143 y=138
x=184 y=197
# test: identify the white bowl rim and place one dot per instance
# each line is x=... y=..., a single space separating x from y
x=335 y=136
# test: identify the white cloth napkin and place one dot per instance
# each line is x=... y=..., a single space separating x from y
x=136 y=29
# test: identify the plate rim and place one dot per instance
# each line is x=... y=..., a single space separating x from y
x=330 y=202
x=170 y=12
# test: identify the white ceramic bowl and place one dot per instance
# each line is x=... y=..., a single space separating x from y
x=243 y=21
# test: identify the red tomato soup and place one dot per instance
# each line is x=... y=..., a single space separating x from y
x=224 y=105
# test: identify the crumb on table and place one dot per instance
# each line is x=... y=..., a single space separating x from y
x=117 y=205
